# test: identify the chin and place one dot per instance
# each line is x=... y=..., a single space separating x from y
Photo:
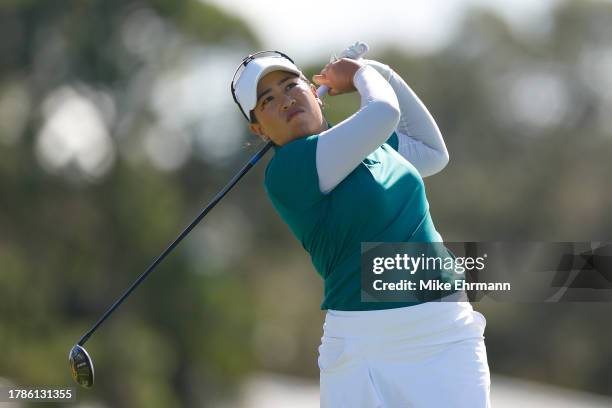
x=305 y=127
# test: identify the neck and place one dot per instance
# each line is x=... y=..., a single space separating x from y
x=324 y=125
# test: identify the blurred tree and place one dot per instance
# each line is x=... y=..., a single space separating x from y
x=67 y=247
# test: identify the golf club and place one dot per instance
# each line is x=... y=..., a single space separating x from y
x=80 y=362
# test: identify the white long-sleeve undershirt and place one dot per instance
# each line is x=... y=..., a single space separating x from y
x=341 y=148
x=387 y=104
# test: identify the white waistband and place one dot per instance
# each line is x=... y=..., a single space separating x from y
x=451 y=318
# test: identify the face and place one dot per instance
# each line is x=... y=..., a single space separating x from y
x=287 y=108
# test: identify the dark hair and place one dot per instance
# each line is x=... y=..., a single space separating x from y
x=253 y=119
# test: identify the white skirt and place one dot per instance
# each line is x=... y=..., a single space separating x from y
x=429 y=355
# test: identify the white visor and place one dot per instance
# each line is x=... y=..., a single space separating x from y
x=246 y=84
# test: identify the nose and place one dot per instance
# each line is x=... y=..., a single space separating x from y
x=288 y=101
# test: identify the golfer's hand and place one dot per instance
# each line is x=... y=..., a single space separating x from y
x=338 y=76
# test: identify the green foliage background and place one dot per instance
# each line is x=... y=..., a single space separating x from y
x=204 y=322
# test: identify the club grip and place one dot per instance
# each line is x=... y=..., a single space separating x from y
x=322 y=90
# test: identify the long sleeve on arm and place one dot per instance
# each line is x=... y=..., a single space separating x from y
x=341 y=148
x=420 y=140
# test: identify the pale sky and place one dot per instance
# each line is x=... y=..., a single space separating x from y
x=312 y=30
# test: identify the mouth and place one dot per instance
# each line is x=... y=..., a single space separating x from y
x=292 y=114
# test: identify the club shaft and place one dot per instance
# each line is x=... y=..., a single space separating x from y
x=173 y=245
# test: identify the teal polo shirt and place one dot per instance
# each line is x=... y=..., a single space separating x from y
x=382 y=200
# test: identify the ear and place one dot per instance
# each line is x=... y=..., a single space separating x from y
x=258 y=130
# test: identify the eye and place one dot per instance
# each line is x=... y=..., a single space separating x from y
x=265 y=101
x=291 y=85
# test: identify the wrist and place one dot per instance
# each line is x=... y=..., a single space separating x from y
x=361 y=72
x=381 y=68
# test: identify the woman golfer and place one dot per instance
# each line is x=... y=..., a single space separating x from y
x=361 y=181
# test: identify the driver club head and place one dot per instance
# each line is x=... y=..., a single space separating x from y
x=81 y=366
